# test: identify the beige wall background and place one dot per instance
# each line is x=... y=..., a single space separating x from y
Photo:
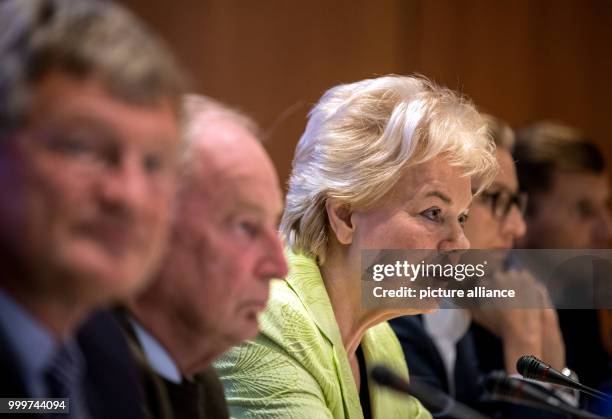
x=521 y=60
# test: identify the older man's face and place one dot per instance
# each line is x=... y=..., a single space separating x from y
x=87 y=188
x=225 y=246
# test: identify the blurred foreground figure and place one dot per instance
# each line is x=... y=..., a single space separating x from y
x=214 y=280
x=89 y=138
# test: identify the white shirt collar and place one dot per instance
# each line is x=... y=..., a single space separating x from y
x=446 y=328
x=158 y=357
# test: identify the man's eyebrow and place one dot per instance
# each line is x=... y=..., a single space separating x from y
x=255 y=208
x=441 y=195
x=83 y=121
x=248 y=206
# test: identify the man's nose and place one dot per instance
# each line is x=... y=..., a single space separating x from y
x=514 y=223
x=124 y=185
x=274 y=264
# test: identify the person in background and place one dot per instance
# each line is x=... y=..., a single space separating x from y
x=498 y=223
x=383 y=163
x=567 y=181
x=439 y=347
x=214 y=279
x=89 y=141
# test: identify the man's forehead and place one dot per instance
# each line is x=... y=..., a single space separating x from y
x=574 y=186
x=223 y=141
x=231 y=191
x=230 y=164
x=60 y=95
x=581 y=180
x=235 y=171
x=219 y=131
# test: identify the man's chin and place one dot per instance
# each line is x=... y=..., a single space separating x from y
x=250 y=327
x=128 y=267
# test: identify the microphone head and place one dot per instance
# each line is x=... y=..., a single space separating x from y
x=529 y=366
x=494 y=380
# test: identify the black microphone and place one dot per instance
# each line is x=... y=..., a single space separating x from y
x=432 y=398
x=521 y=392
x=533 y=368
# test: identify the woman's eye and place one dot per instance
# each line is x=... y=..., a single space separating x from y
x=463 y=219
x=433 y=214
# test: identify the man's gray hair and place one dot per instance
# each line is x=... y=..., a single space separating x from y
x=199 y=110
x=81 y=38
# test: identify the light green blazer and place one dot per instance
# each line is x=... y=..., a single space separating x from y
x=297 y=366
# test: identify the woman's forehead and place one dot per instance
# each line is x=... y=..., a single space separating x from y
x=434 y=179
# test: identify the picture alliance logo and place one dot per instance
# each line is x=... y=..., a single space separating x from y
x=414 y=271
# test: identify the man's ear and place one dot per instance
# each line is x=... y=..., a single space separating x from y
x=340 y=217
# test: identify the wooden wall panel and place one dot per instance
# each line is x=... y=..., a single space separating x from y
x=519 y=59
x=524 y=60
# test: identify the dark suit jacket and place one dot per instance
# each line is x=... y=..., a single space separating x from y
x=425 y=364
x=11 y=381
x=201 y=398
x=585 y=352
x=112 y=387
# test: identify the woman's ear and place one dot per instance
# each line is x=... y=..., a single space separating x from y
x=339 y=215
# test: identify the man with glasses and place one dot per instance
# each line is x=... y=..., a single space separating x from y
x=89 y=143
x=439 y=347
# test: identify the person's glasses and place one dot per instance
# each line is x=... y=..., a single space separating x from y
x=501 y=202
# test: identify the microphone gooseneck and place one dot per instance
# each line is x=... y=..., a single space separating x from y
x=533 y=368
x=521 y=392
x=432 y=398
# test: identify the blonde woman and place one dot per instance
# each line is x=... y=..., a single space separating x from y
x=383 y=163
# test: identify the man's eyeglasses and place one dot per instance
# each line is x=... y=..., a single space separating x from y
x=501 y=202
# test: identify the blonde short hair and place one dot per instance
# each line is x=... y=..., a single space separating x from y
x=359 y=139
